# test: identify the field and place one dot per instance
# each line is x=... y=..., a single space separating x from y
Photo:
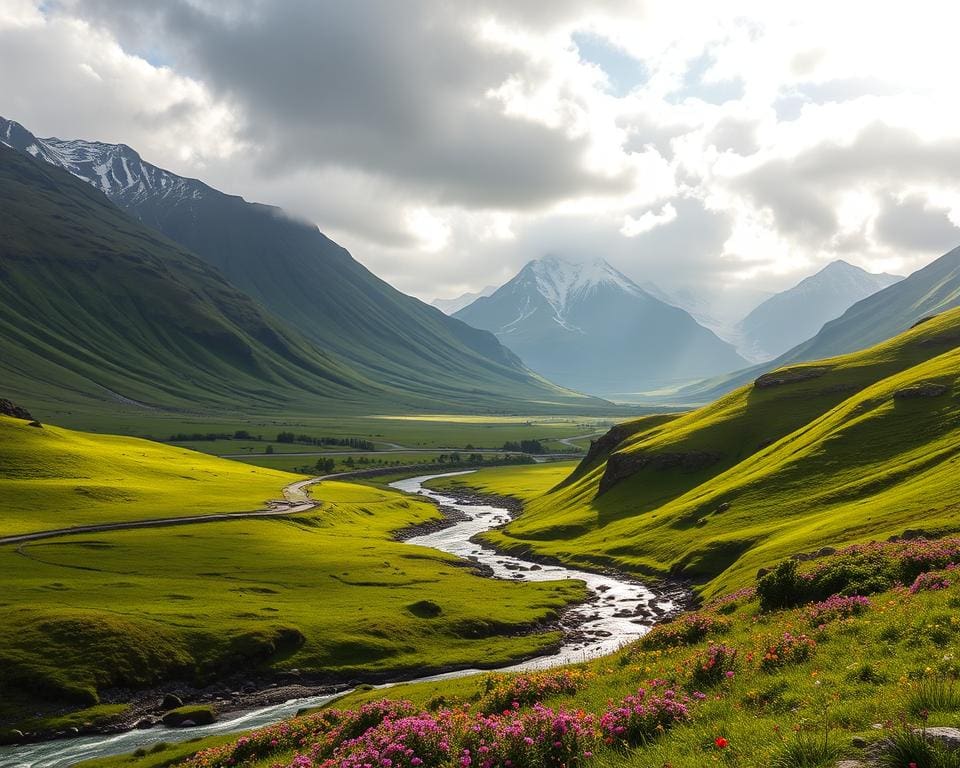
x=52 y=478
x=738 y=683
x=327 y=593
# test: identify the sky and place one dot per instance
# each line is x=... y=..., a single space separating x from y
x=719 y=148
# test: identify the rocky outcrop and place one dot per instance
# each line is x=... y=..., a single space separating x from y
x=784 y=376
x=8 y=408
x=923 y=389
x=622 y=465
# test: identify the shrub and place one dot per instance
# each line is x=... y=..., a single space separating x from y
x=927 y=582
x=786 y=650
x=686 y=629
x=712 y=666
x=835 y=607
x=639 y=718
x=506 y=691
x=782 y=587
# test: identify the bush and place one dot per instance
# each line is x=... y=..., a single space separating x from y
x=782 y=587
x=686 y=629
x=639 y=718
x=509 y=691
x=713 y=666
x=835 y=607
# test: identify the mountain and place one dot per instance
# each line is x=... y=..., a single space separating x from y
x=881 y=316
x=851 y=448
x=451 y=306
x=587 y=326
x=413 y=352
x=795 y=315
x=95 y=307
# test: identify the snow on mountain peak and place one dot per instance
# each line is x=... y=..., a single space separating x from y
x=560 y=280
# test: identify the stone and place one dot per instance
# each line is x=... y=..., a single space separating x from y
x=171 y=701
x=144 y=723
x=851 y=764
x=947 y=737
x=924 y=389
x=187 y=724
x=859 y=742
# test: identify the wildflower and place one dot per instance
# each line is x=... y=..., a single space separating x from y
x=720 y=742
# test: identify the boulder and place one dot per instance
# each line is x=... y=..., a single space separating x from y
x=788 y=376
x=8 y=408
x=946 y=737
x=171 y=701
x=144 y=723
x=924 y=389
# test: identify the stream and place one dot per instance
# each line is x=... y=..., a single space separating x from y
x=620 y=611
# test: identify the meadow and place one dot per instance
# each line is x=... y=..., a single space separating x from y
x=52 y=477
x=329 y=593
x=737 y=683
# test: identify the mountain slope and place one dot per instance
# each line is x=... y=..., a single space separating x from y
x=881 y=316
x=96 y=308
x=309 y=281
x=590 y=327
x=844 y=449
x=795 y=315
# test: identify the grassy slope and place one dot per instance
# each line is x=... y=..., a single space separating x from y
x=53 y=478
x=877 y=667
x=847 y=462
x=136 y=607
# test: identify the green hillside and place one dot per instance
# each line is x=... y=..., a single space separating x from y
x=54 y=478
x=252 y=597
x=854 y=447
x=97 y=309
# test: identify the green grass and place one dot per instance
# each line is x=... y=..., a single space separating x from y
x=160 y=755
x=328 y=593
x=53 y=478
x=861 y=670
x=822 y=461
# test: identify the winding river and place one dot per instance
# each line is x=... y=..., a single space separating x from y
x=618 y=612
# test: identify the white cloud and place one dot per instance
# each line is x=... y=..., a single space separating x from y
x=446 y=144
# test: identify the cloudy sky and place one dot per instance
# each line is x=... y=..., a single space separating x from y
x=719 y=147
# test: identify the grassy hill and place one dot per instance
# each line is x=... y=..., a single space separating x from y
x=330 y=592
x=53 y=478
x=845 y=449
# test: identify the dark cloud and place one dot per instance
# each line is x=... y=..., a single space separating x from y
x=914 y=225
x=390 y=88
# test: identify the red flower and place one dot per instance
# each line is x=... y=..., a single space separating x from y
x=721 y=742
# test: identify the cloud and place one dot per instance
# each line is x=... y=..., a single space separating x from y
x=446 y=144
x=913 y=224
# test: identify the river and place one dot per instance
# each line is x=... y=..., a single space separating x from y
x=620 y=611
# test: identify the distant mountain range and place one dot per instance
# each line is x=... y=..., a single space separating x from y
x=452 y=306
x=881 y=316
x=389 y=348
x=589 y=327
x=795 y=315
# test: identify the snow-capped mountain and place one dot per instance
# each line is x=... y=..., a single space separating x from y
x=797 y=314
x=115 y=169
x=451 y=306
x=587 y=325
